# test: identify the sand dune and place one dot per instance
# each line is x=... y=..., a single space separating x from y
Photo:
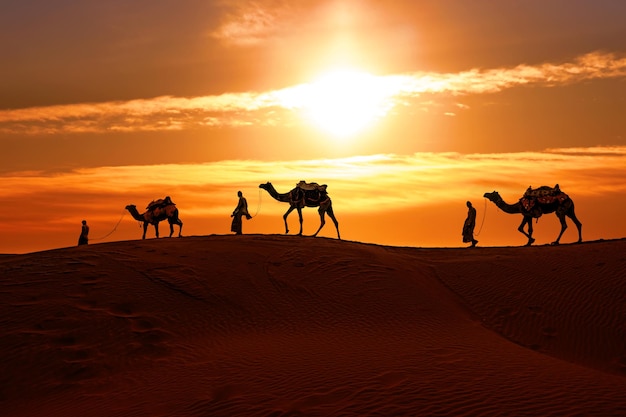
x=285 y=326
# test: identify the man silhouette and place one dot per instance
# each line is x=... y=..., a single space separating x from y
x=83 y=239
x=240 y=210
x=468 y=226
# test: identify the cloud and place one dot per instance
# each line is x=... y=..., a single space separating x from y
x=364 y=187
x=587 y=67
x=251 y=22
x=361 y=183
x=282 y=107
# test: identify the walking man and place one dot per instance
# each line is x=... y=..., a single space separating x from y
x=468 y=226
x=83 y=239
x=240 y=210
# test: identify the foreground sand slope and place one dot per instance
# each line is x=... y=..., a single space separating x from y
x=280 y=325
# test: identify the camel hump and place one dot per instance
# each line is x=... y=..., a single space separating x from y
x=161 y=202
x=308 y=194
x=542 y=195
x=543 y=191
x=311 y=186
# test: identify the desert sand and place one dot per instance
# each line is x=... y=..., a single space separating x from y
x=270 y=325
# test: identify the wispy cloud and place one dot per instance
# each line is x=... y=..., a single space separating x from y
x=282 y=107
x=365 y=187
x=251 y=22
x=386 y=179
x=476 y=81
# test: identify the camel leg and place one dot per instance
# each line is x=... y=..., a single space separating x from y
x=300 y=218
x=330 y=213
x=563 y=227
x=178 y=222
x=322 y=213
x=145 y=229
x=578 y=224
x=529 y=235
x=285 y=218
x=156 y=229
x=180 y=227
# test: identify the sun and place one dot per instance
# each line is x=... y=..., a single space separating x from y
x=344 y=102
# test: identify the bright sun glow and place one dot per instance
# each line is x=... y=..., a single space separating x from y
x=342 y=102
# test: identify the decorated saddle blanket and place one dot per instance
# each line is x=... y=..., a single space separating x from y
x=161 y=202
x=308 y=194
x=310 y=186
x=542 y=191
x=542 y=195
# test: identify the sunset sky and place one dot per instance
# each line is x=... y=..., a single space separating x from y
x=405 y=109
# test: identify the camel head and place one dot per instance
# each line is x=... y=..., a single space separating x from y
x=493 y=197
x=269 y=188
x=132 y=209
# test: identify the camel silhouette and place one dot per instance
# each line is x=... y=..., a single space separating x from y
x=562 y=207
x=156 y=215
x=298 y=198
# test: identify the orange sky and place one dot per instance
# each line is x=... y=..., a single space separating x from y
x=406 y=110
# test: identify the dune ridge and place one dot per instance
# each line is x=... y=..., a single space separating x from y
x=270 y=325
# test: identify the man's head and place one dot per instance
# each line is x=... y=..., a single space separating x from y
x=239 y=193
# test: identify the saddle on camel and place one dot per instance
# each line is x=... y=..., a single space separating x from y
x=160 y=203
x=308 y=194
x=541 y=195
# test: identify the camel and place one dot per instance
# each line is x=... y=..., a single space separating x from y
x=298 y=198
x=562 y=207
x=156 y=215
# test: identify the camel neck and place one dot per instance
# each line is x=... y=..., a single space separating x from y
x=509 y=208
x=276 y=195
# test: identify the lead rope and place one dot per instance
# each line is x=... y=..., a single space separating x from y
x=258 y=205
x=483 y=221
x=114 y=228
